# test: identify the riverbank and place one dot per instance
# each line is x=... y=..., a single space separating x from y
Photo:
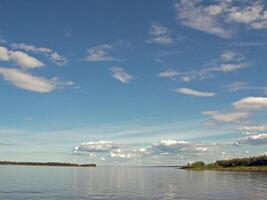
x=253 y=164
x=49 y=164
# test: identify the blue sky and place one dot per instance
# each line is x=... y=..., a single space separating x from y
x=132 y=82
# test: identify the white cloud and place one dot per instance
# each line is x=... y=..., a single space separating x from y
x=30 y=82
x=169 y=73
x=191 y=92
x=237 y=86
x=51 y=54
x=98 y=147
x=4 y=54
x=230 y=67
x=121 y=75
x=24 y=60
x=251 y=103
x=58 y=59
x=122 y=155
x=202 y=18
x=219 y=17
x=173 y=147
x=260 y=139
x=160 y=35
x=99 y=53
x=103 y=52
x=253 y=129
x=228 y=56
x=254 y=15
x=226 y=117
x=121 y=152
x=221 y=65
x=20 y=58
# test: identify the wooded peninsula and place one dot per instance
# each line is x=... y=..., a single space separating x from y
x=256 y=163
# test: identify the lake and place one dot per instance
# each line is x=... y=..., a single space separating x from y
x=128 y=183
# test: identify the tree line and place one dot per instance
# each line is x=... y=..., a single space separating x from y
x=235 y=162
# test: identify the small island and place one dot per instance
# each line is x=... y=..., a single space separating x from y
x=258 y=164
x=49 y=164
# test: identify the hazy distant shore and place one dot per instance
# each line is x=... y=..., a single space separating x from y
x=50 y=164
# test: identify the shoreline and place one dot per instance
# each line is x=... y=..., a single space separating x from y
x=236 y=169
x=250 y=164
x=48 y=164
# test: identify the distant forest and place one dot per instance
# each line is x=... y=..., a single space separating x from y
x=55 y=164
x=236 y=162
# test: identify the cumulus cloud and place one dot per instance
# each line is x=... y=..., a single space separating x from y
x=219 y=17
x=97 y=147
x=20 y=58
x=173 y=147
x=121 y=75
x=30 y=82
x=160 y=35
x=54 y=56
x=253 y=14
x=191 y=92
x=260 y=139
x=123 y=155
x=120 y=152
x=169 y=73
x=203 y=18
x=251 y=103
x=226 y=117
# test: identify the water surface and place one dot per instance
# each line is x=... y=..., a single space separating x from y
x=128 y=183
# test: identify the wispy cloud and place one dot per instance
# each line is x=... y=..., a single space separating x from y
x=169 y=73
x=191 y=92
x=242 y=109
x=99 y=53
x=103 y=52
x=226 y=117
x=239 y=85
x=229 y=56
x=229 y=62
x=30 y=82
x=253 y=128
x=121 y=75
x=160 y=34
x=251 y=103
x=219 y=17
x=54 y=56
x=260 y=139
x=20 y=58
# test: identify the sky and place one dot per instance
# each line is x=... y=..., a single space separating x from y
x=161 y=82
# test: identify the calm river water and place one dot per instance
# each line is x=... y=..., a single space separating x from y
x=128 y=183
